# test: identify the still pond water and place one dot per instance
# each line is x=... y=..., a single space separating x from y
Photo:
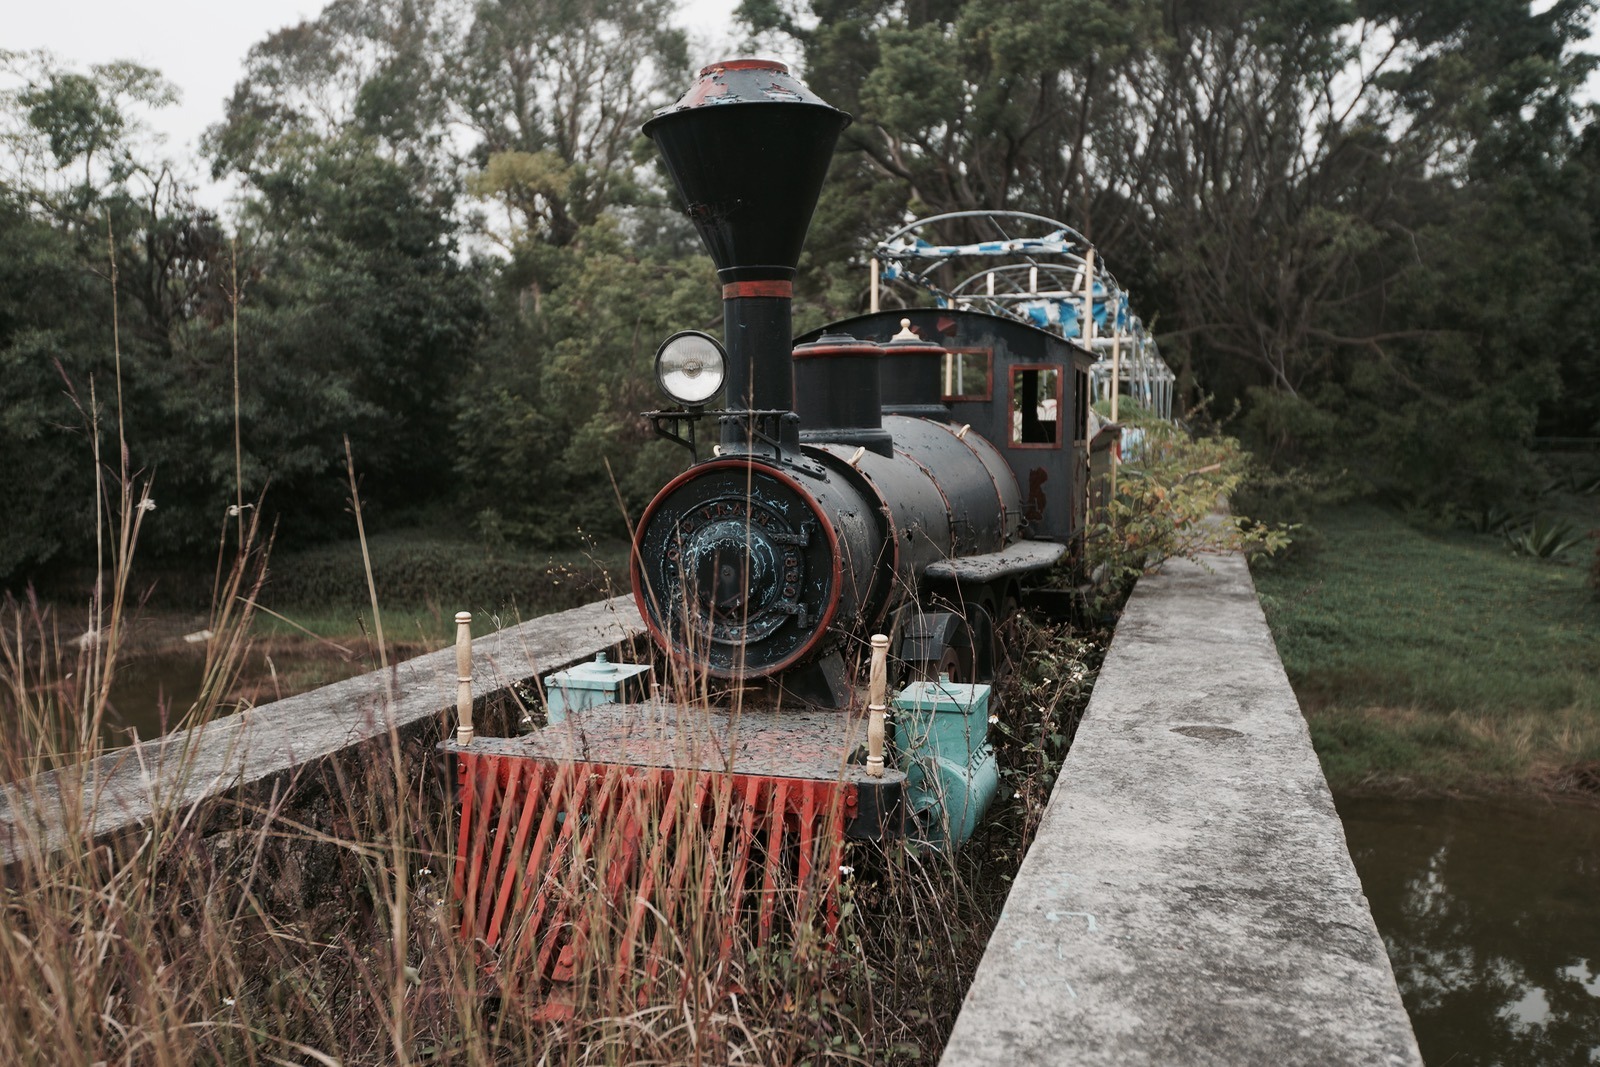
x=1491 y=913
x=153 y=691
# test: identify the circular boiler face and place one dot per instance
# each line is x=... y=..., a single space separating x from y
x=737 y=569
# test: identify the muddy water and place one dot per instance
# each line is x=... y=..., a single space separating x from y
x=150 y=694
x=152 y=691
x=1491 y=913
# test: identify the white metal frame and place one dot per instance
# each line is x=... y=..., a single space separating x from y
x=1045 y=273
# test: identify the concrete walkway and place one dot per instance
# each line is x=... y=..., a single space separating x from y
x=1190 y=898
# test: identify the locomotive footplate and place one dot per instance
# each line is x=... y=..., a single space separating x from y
x=824 y=747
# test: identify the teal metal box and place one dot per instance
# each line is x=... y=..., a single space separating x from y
x=951 y=773
x=589 y=684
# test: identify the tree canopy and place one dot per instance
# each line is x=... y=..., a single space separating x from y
x=1363 y=230
x=1364 y=223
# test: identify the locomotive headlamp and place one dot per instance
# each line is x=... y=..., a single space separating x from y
x=690 y=367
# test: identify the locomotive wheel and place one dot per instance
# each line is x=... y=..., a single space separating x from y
x=985 y=642
x=940 y=644
x=952 y=665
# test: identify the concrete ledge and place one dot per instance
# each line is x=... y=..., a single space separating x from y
x=117 y=791
x=1190 y=898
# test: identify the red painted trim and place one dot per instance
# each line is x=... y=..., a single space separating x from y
x=815 y=351
x=776 y=289
x=1011 y=401
x=745 y=64
x=836 y=590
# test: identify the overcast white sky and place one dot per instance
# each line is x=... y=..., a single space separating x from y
x=200 y=45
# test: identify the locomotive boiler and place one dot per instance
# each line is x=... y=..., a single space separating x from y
x=888 y=482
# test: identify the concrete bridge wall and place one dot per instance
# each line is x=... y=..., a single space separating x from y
x=1189 y=898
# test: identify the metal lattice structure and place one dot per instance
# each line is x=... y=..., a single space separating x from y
x=1038 y=270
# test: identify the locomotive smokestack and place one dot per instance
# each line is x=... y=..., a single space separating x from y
x=748 y=147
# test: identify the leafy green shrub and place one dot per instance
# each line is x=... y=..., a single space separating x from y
x=1166 y=505
x=1040 y=702
x=1542 y=538
x=1493 y=519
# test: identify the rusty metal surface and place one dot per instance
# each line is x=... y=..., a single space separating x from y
x=1000 y=476
x=983 y=512
x=774 y=744
x=744 y=81
x=1019 y=558
x=838 y=394
x=748 y=147
x=546 y=848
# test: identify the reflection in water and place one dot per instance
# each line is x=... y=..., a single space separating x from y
x=1491 y=913
x=153 y=691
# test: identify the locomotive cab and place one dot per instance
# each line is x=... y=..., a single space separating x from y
x=1022 y=388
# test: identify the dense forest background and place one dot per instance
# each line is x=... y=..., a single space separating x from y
x=1364 y=233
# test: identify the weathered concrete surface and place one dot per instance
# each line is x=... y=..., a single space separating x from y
x=1190 y=898
x=264 y=744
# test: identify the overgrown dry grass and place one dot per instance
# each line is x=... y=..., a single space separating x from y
x=314 y=921
x=318 y=925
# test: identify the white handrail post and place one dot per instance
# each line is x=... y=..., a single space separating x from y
x=877 y=704
x=463 y=677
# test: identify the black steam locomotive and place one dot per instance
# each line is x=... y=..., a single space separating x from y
x=903 y=471
x=898 y=474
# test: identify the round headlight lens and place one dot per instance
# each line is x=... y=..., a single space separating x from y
x=690 y=367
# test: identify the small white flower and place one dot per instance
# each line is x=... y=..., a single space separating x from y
x=425 y=870
x=993 y=719
x=1017 y=795
x=235 y=510
x=228 y=1002
x=846 y=870
x=146 y=504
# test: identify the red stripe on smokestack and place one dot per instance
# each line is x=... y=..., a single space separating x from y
x=781 y=290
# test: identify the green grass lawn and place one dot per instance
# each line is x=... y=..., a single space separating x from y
x=1437 y=659
x=423 y=578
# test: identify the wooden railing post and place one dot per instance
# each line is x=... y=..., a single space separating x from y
x=463 y=677
x=877 y=703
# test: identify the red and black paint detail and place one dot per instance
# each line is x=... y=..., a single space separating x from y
x=738 y=569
